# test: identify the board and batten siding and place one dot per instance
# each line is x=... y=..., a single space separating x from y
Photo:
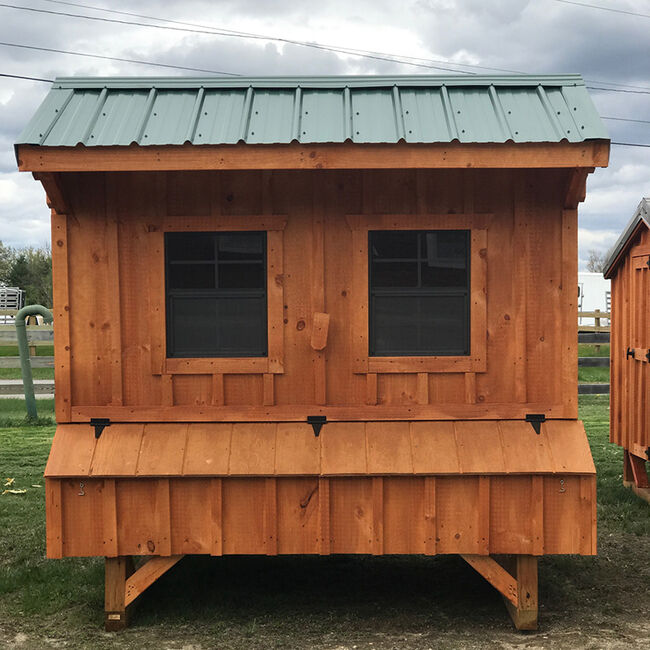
x=109 y=295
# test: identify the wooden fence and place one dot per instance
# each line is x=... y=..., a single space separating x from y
x=598 y=316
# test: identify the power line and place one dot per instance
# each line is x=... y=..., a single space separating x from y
x=114 y=58
x=630 y=144
x=19 y=76
x=219 y=32
x=620 y=90
x=624 y=119
x=590 y=6
x=397 y=58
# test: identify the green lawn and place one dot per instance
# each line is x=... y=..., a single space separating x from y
x=311 y=602
x=12 y=351
x=592 y=350
x=593 y=375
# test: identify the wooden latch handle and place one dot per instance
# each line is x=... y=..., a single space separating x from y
x=319 y=330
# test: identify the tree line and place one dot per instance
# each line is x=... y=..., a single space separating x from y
x=30 y=269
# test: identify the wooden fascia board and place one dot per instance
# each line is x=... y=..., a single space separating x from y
x=593 y=153
x=55 y=194
x=613 y=267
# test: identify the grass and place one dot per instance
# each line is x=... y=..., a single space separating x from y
x=37 y=373
x=12 y=351
x=335 y=602
x=593 y=375
x=593 y=350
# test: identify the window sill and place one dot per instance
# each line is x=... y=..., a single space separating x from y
x=229 y=365
x=425 y=364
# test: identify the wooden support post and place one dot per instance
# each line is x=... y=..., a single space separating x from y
x=635 y=475
x=124 y=585
x=524 y=613
x=115 y=612
x=519 y=590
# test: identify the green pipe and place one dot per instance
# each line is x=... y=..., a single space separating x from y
x=23 y=351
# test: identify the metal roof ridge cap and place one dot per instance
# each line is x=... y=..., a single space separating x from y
x=318 y=81
x=59 y=112
x=101 y=100
x=194 y=117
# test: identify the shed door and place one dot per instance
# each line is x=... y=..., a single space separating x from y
x=638 y=349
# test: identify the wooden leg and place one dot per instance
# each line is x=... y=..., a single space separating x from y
x=124 y=584
x=635 y=475
x=524 y=614
x=117 y=572
x=517 y=584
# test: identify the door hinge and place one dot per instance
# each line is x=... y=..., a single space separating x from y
x=536 y=420
x=317 y=422
x=647 y=355
x=99 y=424
x=629 y=353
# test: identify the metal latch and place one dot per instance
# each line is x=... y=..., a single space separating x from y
x=536 y=420
x=317 y=422
x=100 y=424
x=629 y=353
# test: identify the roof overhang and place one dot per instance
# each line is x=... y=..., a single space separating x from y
x=347 y=155
x=639 y=222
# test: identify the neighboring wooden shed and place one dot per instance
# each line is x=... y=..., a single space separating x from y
x=628 y=267
x=319 y=315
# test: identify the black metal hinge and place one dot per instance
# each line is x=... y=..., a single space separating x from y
x=629 y=353
x=317 y=422
x=536 y=420
x=647 y=356
x=100 y=424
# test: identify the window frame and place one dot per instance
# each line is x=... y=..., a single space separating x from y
x=215 y=294
x=416 y=292
x=362 y=361
x=273 y=362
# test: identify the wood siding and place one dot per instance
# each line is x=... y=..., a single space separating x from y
x=109 y=295
x=480 y=515
x=630 y=323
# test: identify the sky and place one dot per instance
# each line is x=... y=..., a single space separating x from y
x=611 y=50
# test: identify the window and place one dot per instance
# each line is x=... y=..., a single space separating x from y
x=216 y=294
x=419 y=292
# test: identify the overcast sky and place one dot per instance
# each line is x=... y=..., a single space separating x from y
x=611 y=50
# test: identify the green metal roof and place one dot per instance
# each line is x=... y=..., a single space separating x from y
x=275 y=110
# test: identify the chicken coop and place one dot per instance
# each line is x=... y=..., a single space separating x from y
x=317 y=315
x=628 y=267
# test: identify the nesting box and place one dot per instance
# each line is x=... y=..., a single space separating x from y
x=628 y=267
x=317 y=316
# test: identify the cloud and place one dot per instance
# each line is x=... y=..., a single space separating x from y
x=531 y=36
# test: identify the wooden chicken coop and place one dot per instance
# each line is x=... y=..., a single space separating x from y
x=316 y=316
x=628 y=268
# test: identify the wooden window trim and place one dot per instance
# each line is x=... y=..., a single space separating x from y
x=273 y=363
x=476 y=361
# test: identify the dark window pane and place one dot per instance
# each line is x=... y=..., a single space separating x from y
x=420 y=325
x=445 y=254
x=218 y=326
x=191 y=276
x=241 y=246
x=395 y=274
x=192 y=323
x=394 y=244
x=241 y=326
x=241 y=276
x=196 y=246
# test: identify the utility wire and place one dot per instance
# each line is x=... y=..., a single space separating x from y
x=222 y=33
x=590 y=6
x=398 y=58
x=624 y=119
x=19 y=76
x=114 y=58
